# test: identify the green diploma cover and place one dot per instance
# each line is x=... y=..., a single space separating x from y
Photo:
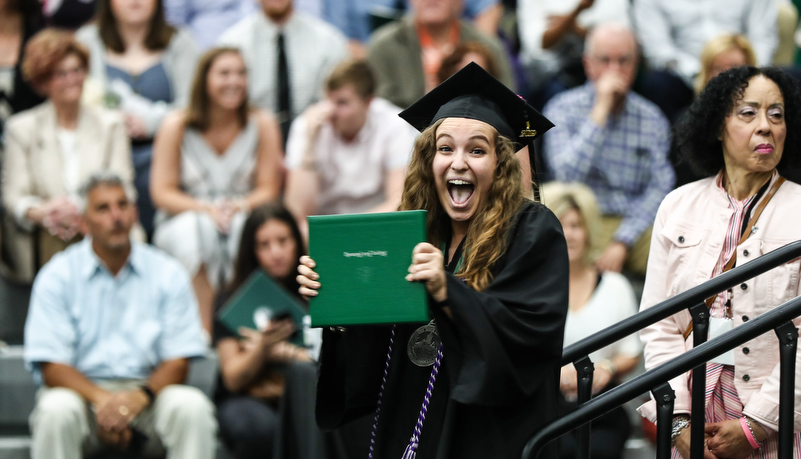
x=257 y=301
x=363 y=260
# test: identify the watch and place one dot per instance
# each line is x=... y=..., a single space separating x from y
x=151 y=396
x=679 y=423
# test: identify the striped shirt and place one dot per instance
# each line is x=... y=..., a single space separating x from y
x=721 y=399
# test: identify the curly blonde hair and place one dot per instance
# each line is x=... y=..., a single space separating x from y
x=486 y=237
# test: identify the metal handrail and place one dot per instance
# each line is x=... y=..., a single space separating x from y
x=693 y=299
x=681 y=301
x=779 y=319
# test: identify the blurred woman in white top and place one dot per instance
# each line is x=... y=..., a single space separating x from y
x=596 y=301
x=212 y=164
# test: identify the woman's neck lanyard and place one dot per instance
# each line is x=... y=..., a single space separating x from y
x=458 y=256
x=411 y=449
x=749 y=228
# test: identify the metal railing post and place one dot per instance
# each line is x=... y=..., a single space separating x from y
x=700 y=313
x=788 y=343
x=584 y=375
x=693 y=360
x=664 y=397
x=679 y=365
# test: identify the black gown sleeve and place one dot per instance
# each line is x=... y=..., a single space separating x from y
x=502 y=343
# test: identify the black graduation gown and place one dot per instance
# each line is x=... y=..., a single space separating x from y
x=499 y=378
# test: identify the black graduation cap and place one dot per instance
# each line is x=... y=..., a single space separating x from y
x=475 y=94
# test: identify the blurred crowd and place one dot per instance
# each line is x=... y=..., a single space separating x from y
x=206 y=131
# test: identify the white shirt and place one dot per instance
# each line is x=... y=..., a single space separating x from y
x=674 y=32
x=532 y=15
x=71 y=158
x=312 y=46
x=612 y=301
x=353 y=174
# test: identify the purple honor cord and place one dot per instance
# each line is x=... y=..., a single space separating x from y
x=411 y=449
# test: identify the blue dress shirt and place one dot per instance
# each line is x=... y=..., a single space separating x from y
x=112 y=327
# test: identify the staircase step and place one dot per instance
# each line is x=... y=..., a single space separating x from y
x=18 y=393
x=15 y=447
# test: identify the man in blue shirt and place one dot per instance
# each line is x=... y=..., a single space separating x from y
x=615 y=142
x=111 y=326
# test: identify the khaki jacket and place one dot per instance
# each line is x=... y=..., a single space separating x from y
x=33 y=166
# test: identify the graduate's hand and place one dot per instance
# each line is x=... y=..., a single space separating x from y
x=307 y=278
x=427 y=266
x=727 y=439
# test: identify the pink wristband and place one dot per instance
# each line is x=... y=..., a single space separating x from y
x=748 y=434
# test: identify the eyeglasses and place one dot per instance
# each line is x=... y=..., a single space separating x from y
x=622 y=61
x=64 y=73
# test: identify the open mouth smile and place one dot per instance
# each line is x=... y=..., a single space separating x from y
x=460 y=191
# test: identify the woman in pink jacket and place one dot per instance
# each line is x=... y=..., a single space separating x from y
x=743 y=128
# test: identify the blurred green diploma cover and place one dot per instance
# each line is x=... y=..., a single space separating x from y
x=362 y=260
x=258 y=301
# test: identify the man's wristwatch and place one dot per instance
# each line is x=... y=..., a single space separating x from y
x=151 y=396
x=679 y=423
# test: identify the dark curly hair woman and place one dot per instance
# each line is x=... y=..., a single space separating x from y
x=742 y=127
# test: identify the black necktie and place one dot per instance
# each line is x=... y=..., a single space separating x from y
x=284 y=99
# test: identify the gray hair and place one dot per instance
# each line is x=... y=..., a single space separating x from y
x=609 y=26
x=102 y=178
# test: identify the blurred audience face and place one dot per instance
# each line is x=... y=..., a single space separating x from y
x=227 y=81
x=277 y=10
x=108 y=217
x=134 y=12
x=575 y=234
x=276 y=249
x=348 y=111
x=732 y=57
x=611 y=48
x=753 y=134
x=65 y=85
x=434 y=12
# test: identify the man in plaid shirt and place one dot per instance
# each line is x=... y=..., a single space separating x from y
x=616 y=142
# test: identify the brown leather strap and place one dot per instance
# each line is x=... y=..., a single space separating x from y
x=748 y=231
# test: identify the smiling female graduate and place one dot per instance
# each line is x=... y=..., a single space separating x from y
x=483 y=376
